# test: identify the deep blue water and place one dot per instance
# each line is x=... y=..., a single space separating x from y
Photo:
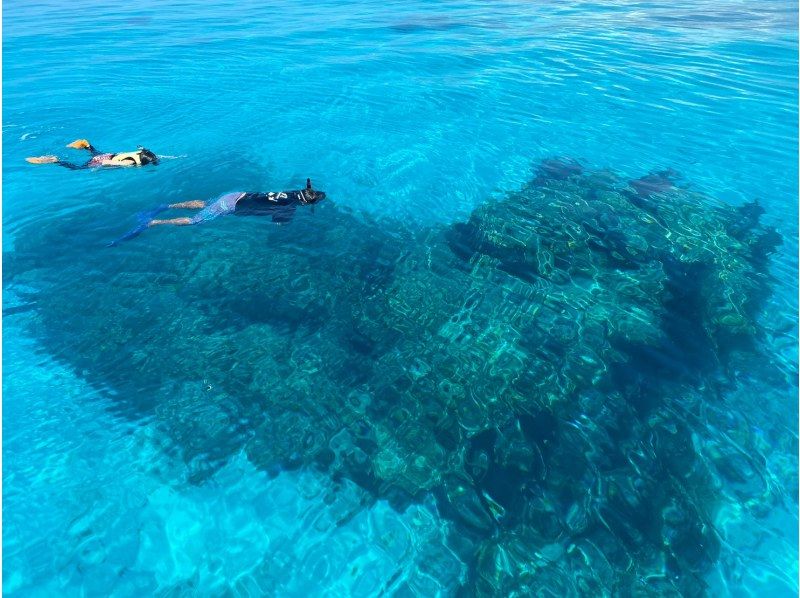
x=132 y=401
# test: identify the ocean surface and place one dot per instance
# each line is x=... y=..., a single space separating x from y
x=538 y=339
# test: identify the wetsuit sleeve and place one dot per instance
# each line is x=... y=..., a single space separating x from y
x=282 y=214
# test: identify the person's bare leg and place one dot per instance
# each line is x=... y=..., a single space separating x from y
x=173 y=221
x=188 y=205
x=42 y=159
x=185 y=205
x=55 y=160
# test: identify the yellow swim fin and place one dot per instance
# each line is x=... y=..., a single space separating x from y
x=80 y=144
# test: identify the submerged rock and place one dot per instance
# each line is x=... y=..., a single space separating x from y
x=551 y=370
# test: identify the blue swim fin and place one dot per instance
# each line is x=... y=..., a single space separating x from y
x=143 y=219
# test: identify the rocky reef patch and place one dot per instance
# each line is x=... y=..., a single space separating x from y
x=578 y=374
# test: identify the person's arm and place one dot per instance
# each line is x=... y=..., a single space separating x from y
x=283 y=214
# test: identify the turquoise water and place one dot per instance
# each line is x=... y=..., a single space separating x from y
x=348 y=405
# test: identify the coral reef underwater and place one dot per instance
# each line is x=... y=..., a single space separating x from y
x=578 y=374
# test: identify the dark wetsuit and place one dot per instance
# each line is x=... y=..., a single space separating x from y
x=280 y=205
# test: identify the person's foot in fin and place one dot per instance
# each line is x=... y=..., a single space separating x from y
x=143 y=220
x=80 y=144
x=134 y=232
x=148 y=215
x=42 y=159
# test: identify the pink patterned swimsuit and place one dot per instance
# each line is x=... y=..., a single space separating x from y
x=98 y=160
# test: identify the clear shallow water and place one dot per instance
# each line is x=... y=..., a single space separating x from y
x=411 y=116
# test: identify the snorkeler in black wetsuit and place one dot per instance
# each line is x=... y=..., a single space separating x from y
x=279 y=205
x=140 y=157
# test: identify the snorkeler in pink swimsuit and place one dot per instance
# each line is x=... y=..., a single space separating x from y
x=140 y=157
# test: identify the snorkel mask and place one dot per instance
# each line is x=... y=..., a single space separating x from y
x=146 y=156
x=311 y=196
